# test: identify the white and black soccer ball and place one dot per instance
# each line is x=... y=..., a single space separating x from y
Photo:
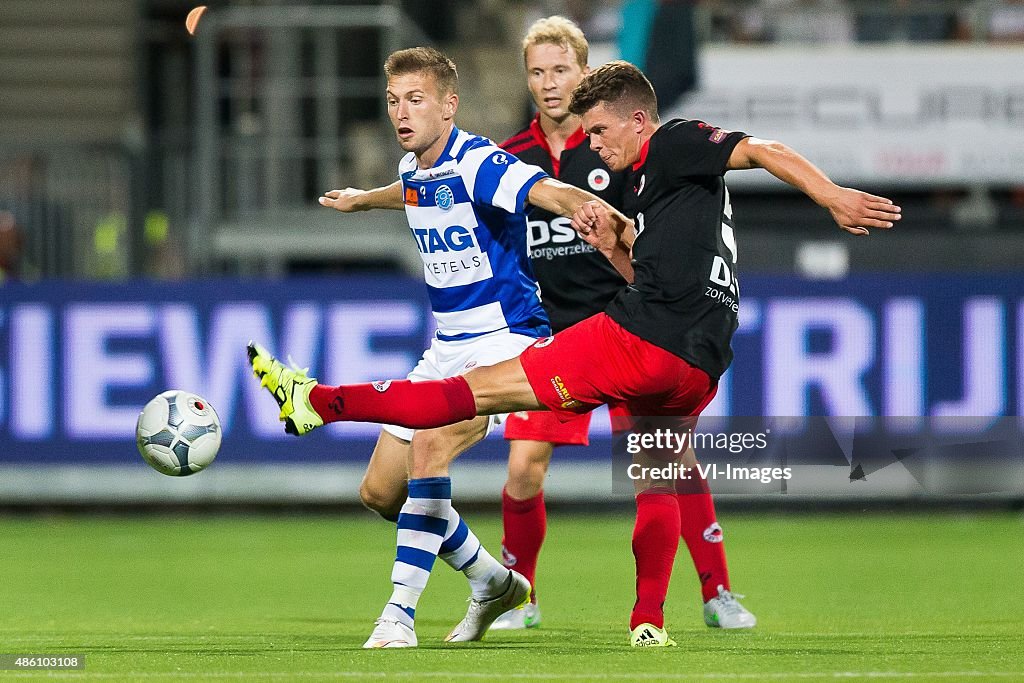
x=178 y=433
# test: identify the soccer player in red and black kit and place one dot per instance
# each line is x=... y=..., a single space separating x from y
x=662 y=343
x=577 y=282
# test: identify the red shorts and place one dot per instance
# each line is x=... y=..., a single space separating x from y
x=597 y=361
x=543 y=425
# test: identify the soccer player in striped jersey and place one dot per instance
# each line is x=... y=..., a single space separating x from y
x=576 y=282
x=465 y=200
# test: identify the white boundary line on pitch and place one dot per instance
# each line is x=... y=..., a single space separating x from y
x=448 y=675
x=239 y=636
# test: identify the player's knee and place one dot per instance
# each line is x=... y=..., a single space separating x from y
x=526 y=477
x=387 y=503
x=524 y=485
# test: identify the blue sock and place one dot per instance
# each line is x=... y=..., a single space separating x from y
x=463 y=552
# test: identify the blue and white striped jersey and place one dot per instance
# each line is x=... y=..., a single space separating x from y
x=467 y=214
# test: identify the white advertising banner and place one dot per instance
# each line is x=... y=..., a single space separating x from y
x=905 y=115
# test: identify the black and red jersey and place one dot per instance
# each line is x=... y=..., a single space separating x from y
x=685 y=295
x=576 y=280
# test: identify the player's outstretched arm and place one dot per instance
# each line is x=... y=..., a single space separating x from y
x=561 y=198
x=853 y=211
x=615 y=236
x=352 y=199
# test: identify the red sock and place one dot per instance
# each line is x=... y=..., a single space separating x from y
x=526 y=522
x=702 y=534
x=416 y=405
x=655 y=541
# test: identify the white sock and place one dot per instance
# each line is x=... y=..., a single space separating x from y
x=463 y=552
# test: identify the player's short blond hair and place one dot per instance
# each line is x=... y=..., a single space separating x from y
x=559 y=31
x=424 y=60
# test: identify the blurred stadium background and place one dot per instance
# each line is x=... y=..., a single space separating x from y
x=157 y=209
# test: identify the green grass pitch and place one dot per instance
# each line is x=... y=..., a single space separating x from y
x=196 y=597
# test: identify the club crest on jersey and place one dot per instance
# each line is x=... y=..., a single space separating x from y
x=444 y=198
x=598 y=179
x=381 y=386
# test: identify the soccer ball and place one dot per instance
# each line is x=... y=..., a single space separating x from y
x=178 y=433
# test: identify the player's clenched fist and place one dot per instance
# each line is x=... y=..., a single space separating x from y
x=598 y=226
x=586 y=217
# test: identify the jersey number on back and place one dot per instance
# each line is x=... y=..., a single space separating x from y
x=721 y=273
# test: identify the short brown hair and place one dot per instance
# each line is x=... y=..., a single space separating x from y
x=424 y=60
x=618 y=84
x=558 y=31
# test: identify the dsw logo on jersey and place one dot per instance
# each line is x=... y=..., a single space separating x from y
x=454 y=238
x=725 y=287
x=557 y=231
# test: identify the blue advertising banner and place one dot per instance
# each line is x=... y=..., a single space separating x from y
x=79 y=360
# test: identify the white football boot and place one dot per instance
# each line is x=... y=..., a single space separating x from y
x=725 y=611
x=518 y=619
x=390 y=633
x=482 y=613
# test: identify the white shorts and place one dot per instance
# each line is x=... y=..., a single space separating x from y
x=450 y=358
